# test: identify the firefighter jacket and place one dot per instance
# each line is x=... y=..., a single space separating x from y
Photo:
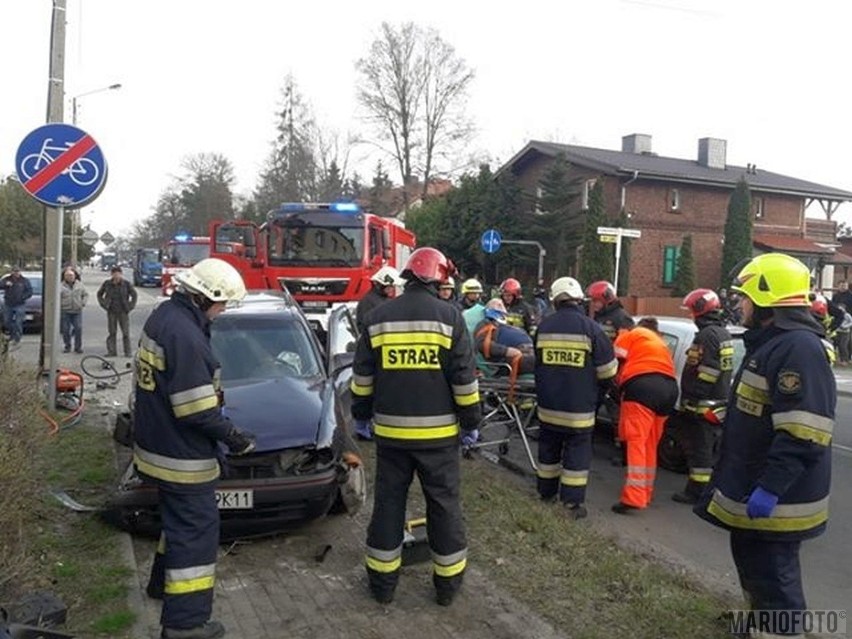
x=573 y=359
x=613 y=318
x=414 y=372
x=367 y=303
x=709 y=365
x=177 y=415
x=642 y=351
x=777 y=435
x=521 y=314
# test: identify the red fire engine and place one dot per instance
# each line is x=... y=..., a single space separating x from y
x=180 y=253
x=321 y=253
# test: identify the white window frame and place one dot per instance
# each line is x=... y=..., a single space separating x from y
x=758 y=207
x=674 y=199
x=588 y=185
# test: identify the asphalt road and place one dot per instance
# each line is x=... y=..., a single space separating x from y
x=667 y=530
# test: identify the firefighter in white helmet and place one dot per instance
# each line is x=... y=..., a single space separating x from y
x=572 y=352
x=447 y=290
x=384 y=283
x=178 y=424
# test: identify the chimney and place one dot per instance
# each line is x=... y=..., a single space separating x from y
x=712 y=153
x=638 y=143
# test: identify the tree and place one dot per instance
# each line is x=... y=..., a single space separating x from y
x=556 y=224
x=684 y=281
x=597 y=259
x=205 y=190
x=738 y=226
x=378 y=201
x=413 y=89
x=22 y=221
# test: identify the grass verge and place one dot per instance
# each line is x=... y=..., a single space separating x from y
x=82 y=555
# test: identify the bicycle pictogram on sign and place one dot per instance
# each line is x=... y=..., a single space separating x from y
x=61 y=165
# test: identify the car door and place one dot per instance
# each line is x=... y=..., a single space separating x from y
x=340 y=352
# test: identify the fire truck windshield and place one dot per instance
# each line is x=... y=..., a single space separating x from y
x=186 y=254
x=297 y=242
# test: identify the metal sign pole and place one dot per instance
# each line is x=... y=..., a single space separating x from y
x=51 y=328
x=617 y=259
x=541 y=254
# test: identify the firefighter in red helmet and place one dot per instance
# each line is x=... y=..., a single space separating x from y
x=606 y=309
x=518 y=312
x=414 y=376
x=704 y=385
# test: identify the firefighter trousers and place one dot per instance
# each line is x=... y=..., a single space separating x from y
x=699 y=440
x=438 y=470
x=770 y=575
x=564 y=457
x=184 y=566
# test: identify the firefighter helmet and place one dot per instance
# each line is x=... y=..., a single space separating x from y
x=601 y=291
x=429 y=265
x=495 y=310
x=471 y=286
x=701 y=301
x=450 y=283
x=215 y=279
x=387 y=276
x=819 y=306
x=566 y=288
x=774 y=280
x=511 y=286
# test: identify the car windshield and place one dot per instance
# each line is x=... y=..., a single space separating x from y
x=252 y=347
x=187 y=254
x=323 y=242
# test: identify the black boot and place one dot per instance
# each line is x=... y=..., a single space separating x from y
x=208 y=630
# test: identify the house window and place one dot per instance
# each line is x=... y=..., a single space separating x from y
x=757 y=208
x=587 y=192
x=539 y=194
x=674 y=200
x=670 y=255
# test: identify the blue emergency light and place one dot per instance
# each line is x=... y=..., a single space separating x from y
x=335 y=207
x=183 y=237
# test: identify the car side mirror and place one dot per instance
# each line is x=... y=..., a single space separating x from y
x=340 y=361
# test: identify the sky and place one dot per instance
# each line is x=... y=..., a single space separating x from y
x=767 y=76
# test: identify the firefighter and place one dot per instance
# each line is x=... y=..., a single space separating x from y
x=178 y=424
x=497 y=341
x=704 y=386
x=606 y=308
x=648 y=389
x=447 y=291
x=820 y=309
x=771 y=484
x=414 y=375
x=574 y=358
x=384 y=283
x=471 y=292
x=519 y=313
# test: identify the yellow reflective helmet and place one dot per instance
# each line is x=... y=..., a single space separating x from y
x=774 y=280
x=471 y=286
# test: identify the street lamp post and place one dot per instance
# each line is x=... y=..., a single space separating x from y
x=75 y=213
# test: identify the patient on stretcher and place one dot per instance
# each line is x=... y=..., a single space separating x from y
x=498 y=342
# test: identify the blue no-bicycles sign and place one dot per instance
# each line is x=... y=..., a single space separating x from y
x=61 y=165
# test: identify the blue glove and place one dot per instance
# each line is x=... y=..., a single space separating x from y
x=761 y=503
x=362 y=429
x=470 y=437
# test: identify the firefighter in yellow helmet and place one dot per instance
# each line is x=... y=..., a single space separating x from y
x=771 y=483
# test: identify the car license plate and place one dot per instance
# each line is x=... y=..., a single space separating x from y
x=313 y=304
x=234 y=499
x=28 y=317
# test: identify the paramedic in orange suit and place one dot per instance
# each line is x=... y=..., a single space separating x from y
x=648 y=390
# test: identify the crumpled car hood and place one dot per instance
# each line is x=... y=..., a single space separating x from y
x=281 y=413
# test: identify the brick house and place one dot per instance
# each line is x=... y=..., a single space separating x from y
x=668 y=198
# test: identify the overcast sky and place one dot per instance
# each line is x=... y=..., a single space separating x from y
x=770 y=77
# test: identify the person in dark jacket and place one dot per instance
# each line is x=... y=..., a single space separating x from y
x=16 y=291
x=384 y=283
x=178 y=424
x=705 y=383
x=414 y=376
x=118 y=298
x=518 y=312
x=770 y=487
x=606 y=309
x=574 y=361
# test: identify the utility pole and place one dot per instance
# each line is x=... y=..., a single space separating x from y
x=53 y=220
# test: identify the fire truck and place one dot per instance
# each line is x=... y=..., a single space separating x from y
x=180 y=253
x=322 y=254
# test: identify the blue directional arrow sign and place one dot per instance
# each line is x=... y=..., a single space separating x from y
x=491 y=241
x=61 y=165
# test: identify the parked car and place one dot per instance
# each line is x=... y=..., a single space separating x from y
x=280 y=385
x=33 y=318
x=678 y=332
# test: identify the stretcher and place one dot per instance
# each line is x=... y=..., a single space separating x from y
x=508 y=409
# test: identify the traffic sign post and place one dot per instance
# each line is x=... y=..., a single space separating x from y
x=89 y=237
x=491 y=241
x=59 y=165
x=107 y=238
x=613 y=235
